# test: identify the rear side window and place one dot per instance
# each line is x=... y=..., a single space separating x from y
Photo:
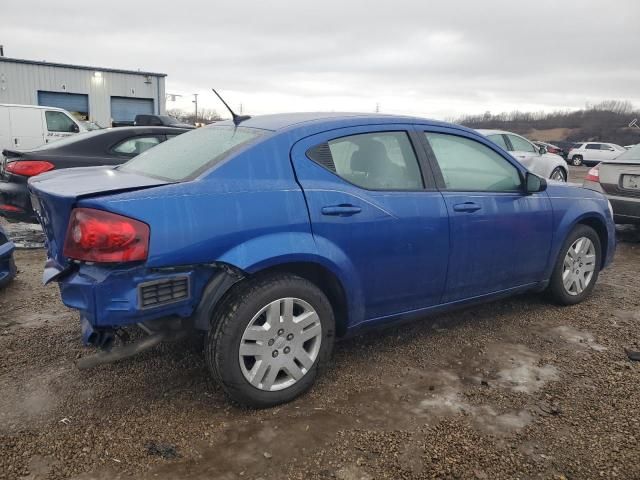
x=593 y=146
x=59 y=122
x=499 y=140
x=135 y=146
x=374 y=161
x=469 y=166
x=191 y=153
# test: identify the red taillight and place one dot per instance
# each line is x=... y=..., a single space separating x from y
x=99 y=236
x=9 y=208
x=593 y=175
x=29 y=168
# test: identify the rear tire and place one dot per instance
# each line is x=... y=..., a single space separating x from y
x=577 y=267
x=270 y=339
x=576 y=161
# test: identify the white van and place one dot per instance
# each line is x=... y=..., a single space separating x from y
x=28 y=126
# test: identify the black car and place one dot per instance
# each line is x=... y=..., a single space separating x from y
x=160 y=120
x=111 y=146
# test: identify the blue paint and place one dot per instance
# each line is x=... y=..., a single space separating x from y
x=7 y=265
x=401 y=254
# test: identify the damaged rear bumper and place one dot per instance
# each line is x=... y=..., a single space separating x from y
x=111 y=298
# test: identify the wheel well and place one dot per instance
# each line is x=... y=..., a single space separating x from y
x=601 y=230
x=326 y=281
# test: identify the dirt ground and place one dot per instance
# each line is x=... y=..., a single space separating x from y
x=513 y=389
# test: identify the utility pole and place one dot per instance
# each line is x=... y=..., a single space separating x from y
x=240 y=109
x=377 y=107
x=195 y=96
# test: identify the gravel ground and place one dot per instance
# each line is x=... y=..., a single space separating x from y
x=513 y=389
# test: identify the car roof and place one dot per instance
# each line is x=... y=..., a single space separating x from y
x=286 y=121
x=487 y=132
x=39 y=107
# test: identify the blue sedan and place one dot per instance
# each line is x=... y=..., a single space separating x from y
x=7 y=264
x=277 y=234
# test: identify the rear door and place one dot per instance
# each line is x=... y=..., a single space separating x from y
x=27 y=130
x=375 y=211
x=500 y=236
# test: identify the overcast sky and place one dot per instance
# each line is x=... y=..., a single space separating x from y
x=433 y=59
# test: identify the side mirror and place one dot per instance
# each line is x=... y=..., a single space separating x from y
x=534 y=183
x=75 y=128
x=542 y=150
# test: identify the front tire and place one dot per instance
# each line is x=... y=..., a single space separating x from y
x=576 y=161
x=577 y=267
x=269 y=340
x=558 y=174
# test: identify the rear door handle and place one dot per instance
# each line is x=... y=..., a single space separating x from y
x=341 y=210
x=467 y=207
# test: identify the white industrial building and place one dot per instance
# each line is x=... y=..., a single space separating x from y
x=102 y=95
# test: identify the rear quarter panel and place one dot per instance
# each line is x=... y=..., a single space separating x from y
x=248 y=212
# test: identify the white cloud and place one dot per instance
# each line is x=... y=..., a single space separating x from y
x=410 y=56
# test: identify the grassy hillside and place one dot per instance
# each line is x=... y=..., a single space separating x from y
x=605 y=122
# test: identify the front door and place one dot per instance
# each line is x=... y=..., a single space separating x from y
x=526 y=153
x=375 y=211
x=500 y=236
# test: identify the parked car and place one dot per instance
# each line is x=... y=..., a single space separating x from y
x=277 y=235
x=7 y=264
x=550 y=148
x=536 y=159
x=592 y=153
x=29 y=126
x=160 y=120
x=110 y=146
x=566 y=146
x=619 y=180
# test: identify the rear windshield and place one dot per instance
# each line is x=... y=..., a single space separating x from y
x=632 y=155
x=190 y=154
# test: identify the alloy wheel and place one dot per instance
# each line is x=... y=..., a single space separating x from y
x=579 y=265
x=280 y=344
x=558 y=175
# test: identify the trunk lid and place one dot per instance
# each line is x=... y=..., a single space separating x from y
x=54 y=194
x=620 y=179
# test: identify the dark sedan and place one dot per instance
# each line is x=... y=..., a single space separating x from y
x=619 y=180
x=110 y=146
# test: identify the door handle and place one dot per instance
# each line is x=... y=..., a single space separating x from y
x=341 y=210
x=469 y=207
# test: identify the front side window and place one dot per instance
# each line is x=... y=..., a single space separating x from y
x=59 y=122
x=469 y=166
x=521 y=145
x=135 y=146
x=374 y=161
x=191 y=153
x=593 y=146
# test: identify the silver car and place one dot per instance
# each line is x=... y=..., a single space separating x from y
x=536 y=159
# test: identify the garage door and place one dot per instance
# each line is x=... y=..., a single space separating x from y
x=72 y=102
x=125 y=109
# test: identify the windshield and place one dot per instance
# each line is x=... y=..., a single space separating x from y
x=90 y=126
x=190 y=154
x=632 y=155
